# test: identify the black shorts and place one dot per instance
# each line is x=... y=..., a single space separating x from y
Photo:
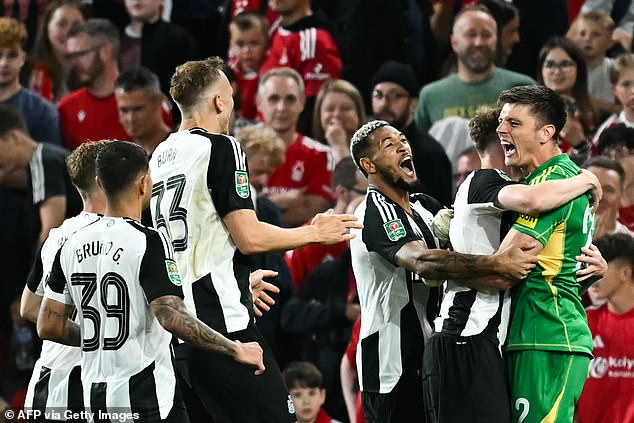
x=230 y=391
x=404 y=404
x=464 y=380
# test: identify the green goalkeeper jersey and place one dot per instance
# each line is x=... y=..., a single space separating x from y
x=547 y=310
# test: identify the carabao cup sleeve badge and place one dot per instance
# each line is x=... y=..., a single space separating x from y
x=242 y=184
x=172 y=272
x=394 y=229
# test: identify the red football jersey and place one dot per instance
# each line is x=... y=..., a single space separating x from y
x=248 y=88
x=84 y=117
x=308 y=49
x=608 y=394
x=307 y=163
x=239 y=6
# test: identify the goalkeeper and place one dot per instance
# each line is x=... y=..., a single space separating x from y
x=462 y=362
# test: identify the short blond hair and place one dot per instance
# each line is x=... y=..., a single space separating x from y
x=12 y=33
x=260 y=140
x=192 y=79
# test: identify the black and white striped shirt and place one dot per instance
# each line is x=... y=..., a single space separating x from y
x=56 y=379
x=111 y=271
x=199 y=178
x=393 y=300
x=478 y=227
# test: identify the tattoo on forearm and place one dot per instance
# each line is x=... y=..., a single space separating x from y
x=174 y=316
x=448 y=264
x=48 y=313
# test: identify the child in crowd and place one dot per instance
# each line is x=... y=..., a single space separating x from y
x=247 y=49
x=622 y=78
x=303 y=380
x=592 y=33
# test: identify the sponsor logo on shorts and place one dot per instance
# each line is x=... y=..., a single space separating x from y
x=242 y=184
x=172 y=272
x=527 y=220
x=394 y=229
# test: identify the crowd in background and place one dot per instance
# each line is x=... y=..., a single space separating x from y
x=306 y=75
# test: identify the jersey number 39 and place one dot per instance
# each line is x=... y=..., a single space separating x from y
x=112 y=286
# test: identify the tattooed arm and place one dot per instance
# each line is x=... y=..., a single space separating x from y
x=172 y=314
x=509 y=263
x=53 y=323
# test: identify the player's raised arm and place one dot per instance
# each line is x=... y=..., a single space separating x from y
x=531 y=199
x=172 y=314
x=253 y=237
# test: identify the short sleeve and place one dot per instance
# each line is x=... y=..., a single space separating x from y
x=386 y=227
x=486 y=185
x=228 y=176
x=158 y=274
x=56 y=282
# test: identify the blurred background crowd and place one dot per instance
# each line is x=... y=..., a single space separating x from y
x=306 y=75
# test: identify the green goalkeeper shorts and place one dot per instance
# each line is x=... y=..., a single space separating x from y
x=545 y=385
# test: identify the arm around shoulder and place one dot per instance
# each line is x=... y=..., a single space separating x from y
x=533 y=199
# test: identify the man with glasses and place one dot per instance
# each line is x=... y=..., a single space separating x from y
x=300 y=186
x=90 y=113
x=394 y=99
x=477 y=81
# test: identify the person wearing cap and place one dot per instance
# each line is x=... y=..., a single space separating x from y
x=394 y=99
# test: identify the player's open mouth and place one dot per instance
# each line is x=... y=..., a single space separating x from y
x=407 y=165
x=509 y=148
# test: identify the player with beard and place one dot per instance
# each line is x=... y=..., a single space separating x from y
x=394 y=98
x=477 y=81
x=463 y=363
x=392 y=256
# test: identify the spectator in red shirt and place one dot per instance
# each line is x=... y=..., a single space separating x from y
x=49 y=73
x=300 y=186
x=304 y=42
x=90 y=113
x=248 y=44
x=608 y=391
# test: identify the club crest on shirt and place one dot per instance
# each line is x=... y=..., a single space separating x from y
x=394 y=229
x=172 y=272
x=242 y=184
